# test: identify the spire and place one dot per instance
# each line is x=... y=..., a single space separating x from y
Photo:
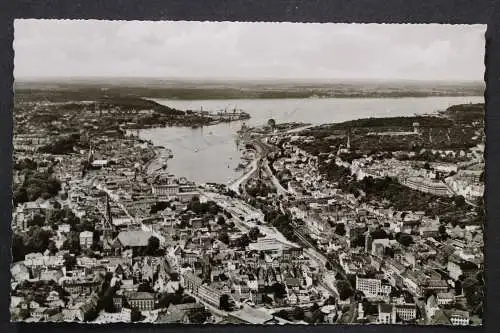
x=348 y=139
x=90 y=157
x=109 y=218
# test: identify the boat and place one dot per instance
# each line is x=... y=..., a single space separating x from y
x=196 y=150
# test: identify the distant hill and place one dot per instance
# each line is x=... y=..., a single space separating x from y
x=79 y=89
x=134 y=103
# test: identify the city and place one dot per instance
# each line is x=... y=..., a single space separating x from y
x=247 y=202
x=318 y=229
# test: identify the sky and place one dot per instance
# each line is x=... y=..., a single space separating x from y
x=236 y=50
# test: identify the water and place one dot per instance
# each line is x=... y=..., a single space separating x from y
x=210 y=154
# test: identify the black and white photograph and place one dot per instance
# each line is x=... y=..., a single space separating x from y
x=184 y=172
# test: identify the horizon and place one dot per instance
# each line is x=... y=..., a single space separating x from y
x=97 y=79
x=248 y=51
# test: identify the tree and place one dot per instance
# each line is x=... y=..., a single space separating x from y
x=20 y=196
x=271 y=123
x=254 y=233
x=145 y=287
x=284 y=314
x=69 y=261
x=72 y=243
x=159 y=206
x=340 y=229
x=18 y=247
x=91 y=314
x=404 y=239
x=37 y=220
x=243 y=241
x=224 y=237
x=52 y=247
x=135 y=314
x=221 y=220
x=153 y=246
x=473 y=289
x=378 y=234
x=298 y=313
x=279 y=290
x=460 y=201
x=344 y=288
x=198 y=317
x=224 y=302
x=38 y=240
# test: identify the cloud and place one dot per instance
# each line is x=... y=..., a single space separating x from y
x=47 y=48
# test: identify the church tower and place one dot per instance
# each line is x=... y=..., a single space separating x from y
x=107 y=232
x=348 y=146
x=90 y=157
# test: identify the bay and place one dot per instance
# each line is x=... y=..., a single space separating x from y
x=210 y=154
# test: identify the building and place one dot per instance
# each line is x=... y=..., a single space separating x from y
x=81 y=286
x=98 y=164
x=386 y=314
x=292 y=253
x=86 y=239
x=165 y=190
x=269 y=246
x=459 y=318
x=426 y=185
x=143 y=301
x=445 y=298
x=406 y=312
x=210 y=295
x=191 y=282
x=372 y=287
x=118 y=302
x=179 y=313
x=133 y=239
x=457 y=267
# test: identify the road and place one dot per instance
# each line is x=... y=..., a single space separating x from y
x=335 y=268
x=299 y=129
x=235 y=185
x=210 y=307
x=310 y=250
x=239 y=208
x=279 y=188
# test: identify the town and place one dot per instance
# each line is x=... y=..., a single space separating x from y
x=374 y=220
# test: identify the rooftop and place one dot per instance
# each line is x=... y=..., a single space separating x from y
x=134 y=238
x=252 y=316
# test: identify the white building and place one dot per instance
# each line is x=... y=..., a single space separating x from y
x=372 y=287
x=86 y=239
